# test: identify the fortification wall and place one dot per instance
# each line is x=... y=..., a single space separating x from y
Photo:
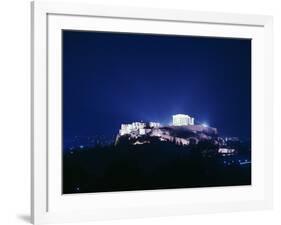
x=201 y=128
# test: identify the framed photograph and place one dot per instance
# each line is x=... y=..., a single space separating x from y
x=149 y=112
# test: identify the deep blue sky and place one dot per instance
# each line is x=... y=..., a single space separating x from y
x=114 y=78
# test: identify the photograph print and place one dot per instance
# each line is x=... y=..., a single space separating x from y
x=154 y=111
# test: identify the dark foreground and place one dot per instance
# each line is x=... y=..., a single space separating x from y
x=152 y=166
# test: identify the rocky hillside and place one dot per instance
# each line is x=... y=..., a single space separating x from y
x=180 y=135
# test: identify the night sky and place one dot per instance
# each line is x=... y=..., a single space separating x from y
x=113 y=78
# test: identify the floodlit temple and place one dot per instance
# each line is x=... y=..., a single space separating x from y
x=182 y=120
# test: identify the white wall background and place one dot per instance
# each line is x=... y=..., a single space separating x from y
x=15 y=109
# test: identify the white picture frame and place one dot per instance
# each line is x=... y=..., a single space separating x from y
x=48 y=205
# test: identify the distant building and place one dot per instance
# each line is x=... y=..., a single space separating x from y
x=137 y=128
x=154 y=124
x=182 y=120
x=226 y=150
x=141 y=131
x=132 y=127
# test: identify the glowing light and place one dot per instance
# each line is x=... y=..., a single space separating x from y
x=205 y=125
x=243 y=163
